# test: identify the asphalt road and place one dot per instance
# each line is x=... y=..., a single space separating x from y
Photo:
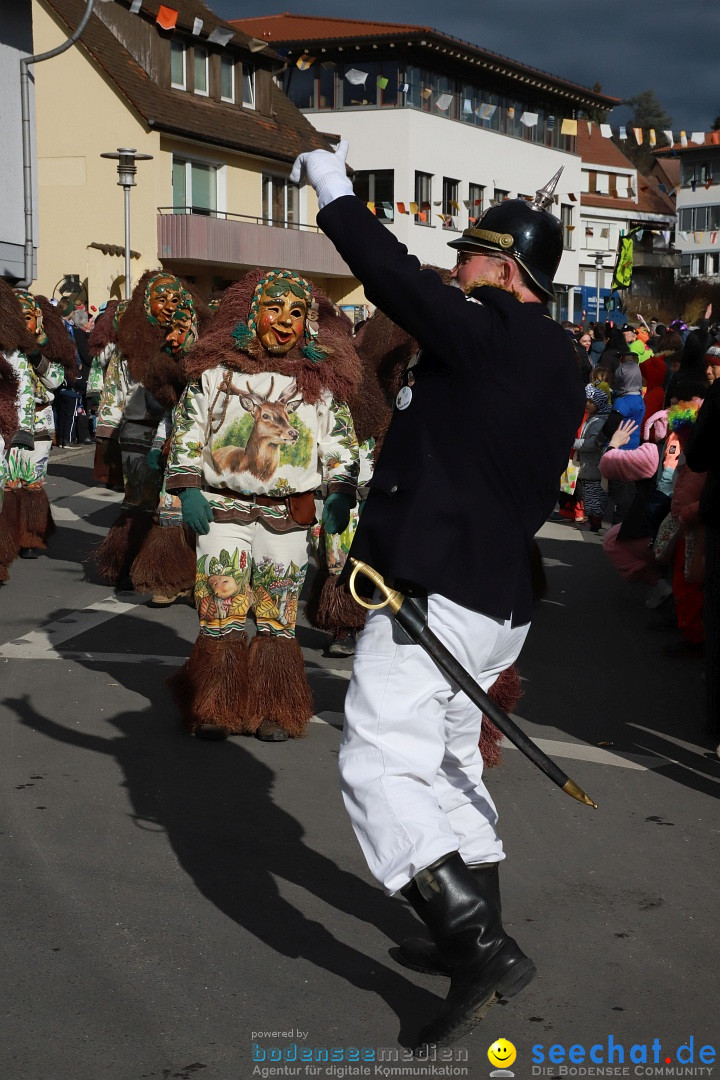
x=172 y=908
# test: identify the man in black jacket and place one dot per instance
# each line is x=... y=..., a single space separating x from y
x=468 y=473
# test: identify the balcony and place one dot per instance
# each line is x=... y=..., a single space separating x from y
x=666 y=259
x=226 y=240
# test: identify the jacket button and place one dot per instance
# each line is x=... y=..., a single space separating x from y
x=393 y=489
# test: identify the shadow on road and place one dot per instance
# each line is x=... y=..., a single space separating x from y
x=215 y=803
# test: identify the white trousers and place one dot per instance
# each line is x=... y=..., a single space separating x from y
x=410 y=767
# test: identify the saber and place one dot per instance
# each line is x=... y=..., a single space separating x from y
x=412 y=620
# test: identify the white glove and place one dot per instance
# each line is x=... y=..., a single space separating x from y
x=325 y=172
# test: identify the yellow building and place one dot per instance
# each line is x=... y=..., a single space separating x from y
x=214 y=200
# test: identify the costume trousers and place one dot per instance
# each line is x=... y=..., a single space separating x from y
x=410 y=766
x=248 y=566
x=26 y=467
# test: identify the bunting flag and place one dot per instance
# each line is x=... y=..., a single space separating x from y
x=426 y=92
x=683 y=138
x=572 y=197
x=135 y=7
x=371 y=208
x=485 y=111
x=166 y=17
x=623 y=134
x=529 y=119
x=589 y=126
x=708 y=182
x=606 y=131
x=568 y=127
x=356 y=77
x=713 y=238
x=221 y=35
x=622 y=275
x=402 y=209
x=327 y=65
x=669 y=136
x=256 y=45
x=638 y=133
x=511 y=112
x=304 y=62
x=550 y=122
x=467 y=105
x=404 y=87
x=382 y=81
x=455 y=206
x=413 y=208
x=698 y=137
x=443 y=102
x=651 y=137
x=197 y=27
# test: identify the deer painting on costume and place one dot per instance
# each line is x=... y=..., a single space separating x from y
x=271 y=430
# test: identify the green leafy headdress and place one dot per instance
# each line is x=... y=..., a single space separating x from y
x=279 y=283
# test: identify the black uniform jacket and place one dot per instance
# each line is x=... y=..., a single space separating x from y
x=470 y=470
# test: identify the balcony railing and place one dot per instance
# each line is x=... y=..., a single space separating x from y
x=223 y=239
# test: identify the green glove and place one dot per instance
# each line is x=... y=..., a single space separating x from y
x=196 y=510
x=153 y=459
x=336 y=512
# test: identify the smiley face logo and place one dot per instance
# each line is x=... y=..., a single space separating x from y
x=502 y=1054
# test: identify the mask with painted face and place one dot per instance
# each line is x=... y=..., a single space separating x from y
x=162 y=297
x=33 y=316
x=282 y=315
x=183 y=327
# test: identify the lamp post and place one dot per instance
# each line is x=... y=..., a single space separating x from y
x=126 y=168
x=599 y=256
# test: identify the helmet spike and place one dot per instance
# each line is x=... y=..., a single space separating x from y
x=544 y=196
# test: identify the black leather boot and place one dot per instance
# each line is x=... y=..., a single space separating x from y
x=419 y=954
x=463 y=918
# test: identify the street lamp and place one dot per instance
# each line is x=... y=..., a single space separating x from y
x=599 y=256
x=126 y=168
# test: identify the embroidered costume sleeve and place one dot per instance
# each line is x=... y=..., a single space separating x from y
x=338 y=446
x=188 y=437
x=114 y=398
x=98 y=367
x=26 y=392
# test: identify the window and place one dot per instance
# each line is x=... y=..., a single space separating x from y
x=227 y=78
x=377 y=187
x=279 y=201
x=200 y=70
x=177 y=65
x=423 y=197
x=476 y=199
x=602 y=184
x=248 y=86
x=566 y=216
x=450 y=203
x=499 y=195
x=194 y=186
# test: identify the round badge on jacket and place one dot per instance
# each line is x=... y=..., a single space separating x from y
x=404 y=397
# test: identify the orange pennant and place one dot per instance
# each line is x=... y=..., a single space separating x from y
x=166 y=17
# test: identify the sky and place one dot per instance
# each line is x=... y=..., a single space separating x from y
x=626 y=45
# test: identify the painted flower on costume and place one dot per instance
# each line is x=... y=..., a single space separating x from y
x=282 y=313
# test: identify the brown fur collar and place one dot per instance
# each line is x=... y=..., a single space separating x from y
x=13 y=331
x=339 y=373
x=8 y=394
x=60 y=347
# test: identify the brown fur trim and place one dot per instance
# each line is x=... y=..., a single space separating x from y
x=35 y=518
x=339 y=373
x=211 y=686
x=60 y=347
x=165 y=378
x=8 y=400
x=330 y=606
x=118 y=551
x=107 y=466
x=165 y=563
x=277 y=685
x=13 y=329
x=9 y=531
x=103 y=332
x=506 y=691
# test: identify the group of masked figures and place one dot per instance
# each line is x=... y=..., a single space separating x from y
x=242 y=434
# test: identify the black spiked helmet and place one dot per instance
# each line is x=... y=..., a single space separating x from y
x=524 y=230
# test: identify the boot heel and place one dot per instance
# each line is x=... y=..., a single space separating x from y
x=517 y=978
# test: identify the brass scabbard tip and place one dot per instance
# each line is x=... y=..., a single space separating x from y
x=577 y=793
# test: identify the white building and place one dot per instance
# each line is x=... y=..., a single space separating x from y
x=616 y=200
x=16 y=41
x=434 y=124
x=698 y=205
